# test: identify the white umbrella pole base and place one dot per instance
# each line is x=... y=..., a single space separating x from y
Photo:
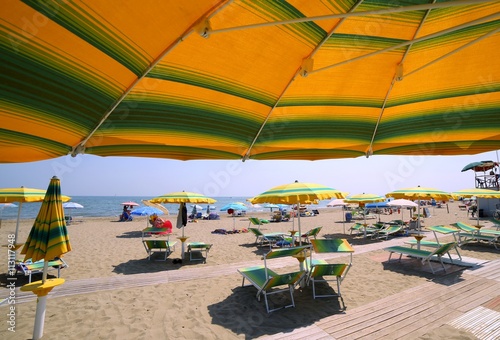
x=41 y=307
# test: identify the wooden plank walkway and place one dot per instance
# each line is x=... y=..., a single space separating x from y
x=411 y=313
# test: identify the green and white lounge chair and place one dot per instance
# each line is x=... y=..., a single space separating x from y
x=159 y=246
x=318 y=269
x=270 y=239
x=447 y=230
x=313 y=233
x=269 y=282
x=196 y=249
x=386 y=231
x=29 y=268
x=424 y=255
x=471 y=233
x=257 y=222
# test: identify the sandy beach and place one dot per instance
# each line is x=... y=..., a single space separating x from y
x=117 y=293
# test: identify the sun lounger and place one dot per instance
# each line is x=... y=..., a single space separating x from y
x=256 y=221
x=269 y=282
x=269 y=238
x=196 y=249
x=319 y=269
x=386 y=231
x=471 y=233
x=29 y=268
x=159 y=246
x=311 y=233
x=424 y=255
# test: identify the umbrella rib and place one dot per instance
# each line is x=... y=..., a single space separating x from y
x=301 y=70
x=80 y=148
x=410 y=42
x=353 y=14
x=398 y=75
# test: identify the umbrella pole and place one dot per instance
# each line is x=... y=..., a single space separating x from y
x=343 y=218
x=41 y=307
x=17 y=223
x=298 y=221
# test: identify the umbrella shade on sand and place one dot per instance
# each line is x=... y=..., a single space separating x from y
x=420 y=193
x=23 y=195
x=48 y=239
x=478 y=193
x=265 y=79
x=297 y=193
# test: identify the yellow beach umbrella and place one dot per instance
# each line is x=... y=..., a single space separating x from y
x=23 y=195
x=420 y=193
x=478 y=193
x=297 y=193
x=48 y=239
x=362 y=199
x=261 y=79
x=182 y=197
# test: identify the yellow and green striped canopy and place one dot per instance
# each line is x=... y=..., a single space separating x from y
x=420 y=193
x=297 y=192
x=477 y=192
x=248 y=79
x=183 y=197
x=48 y=237
x=364 y=198
x=22 y=194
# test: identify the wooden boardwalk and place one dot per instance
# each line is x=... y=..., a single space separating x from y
x=413 y=312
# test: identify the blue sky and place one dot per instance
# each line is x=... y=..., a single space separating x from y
x=88 y=175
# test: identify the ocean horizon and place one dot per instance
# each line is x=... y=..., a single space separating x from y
x=109 y=206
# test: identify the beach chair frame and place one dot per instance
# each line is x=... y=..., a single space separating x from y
x=268 y=282
x=29 y=268
x=424 y=255
x=319 y=270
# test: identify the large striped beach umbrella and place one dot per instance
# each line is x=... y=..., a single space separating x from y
x=362 y=199
x=297 y=193
x=242 y=79
x=420 y=193
x=23 y=195
x=47 y=240
x=182 y=197
x=478 y=193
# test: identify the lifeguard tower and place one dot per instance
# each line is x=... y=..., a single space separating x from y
x=486 y=174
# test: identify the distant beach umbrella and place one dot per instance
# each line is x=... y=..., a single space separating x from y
x=477 y=193
x=183 y=197
x=297 y=193
x=420 y=193
x=23 y=195
x=131 y=204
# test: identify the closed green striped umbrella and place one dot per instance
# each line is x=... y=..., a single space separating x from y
x=221 y=79
x=48 y=237
x=297 y=193
x=23 y=195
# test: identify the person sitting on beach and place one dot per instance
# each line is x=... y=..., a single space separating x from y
x=125 y=216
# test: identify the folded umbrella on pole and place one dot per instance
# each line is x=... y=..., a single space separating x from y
x=48 y=239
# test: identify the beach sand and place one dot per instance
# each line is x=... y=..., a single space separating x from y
x=125 y=296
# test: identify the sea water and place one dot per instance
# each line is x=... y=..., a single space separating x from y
x=109 y=206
